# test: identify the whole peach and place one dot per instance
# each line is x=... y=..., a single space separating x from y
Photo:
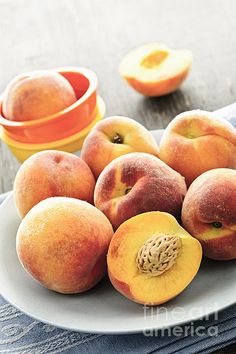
x=209 y=213
x=63 y=242
x=51 y=174
x=114 y=137
x=37 y=94
x=197 y=141
x=136 y=183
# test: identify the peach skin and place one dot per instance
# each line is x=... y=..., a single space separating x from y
x=52 y=174
x=136 y=183
x=37 y=94
x=197 y=141
x=156 y=70
x=151 y=258
x=209 y=213
x=113 y=137
x=64 y=123
x=63 y=242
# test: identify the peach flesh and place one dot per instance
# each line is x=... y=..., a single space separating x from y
x=154 y=69
x=146 y=288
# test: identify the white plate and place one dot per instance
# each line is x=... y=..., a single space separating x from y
x=103 y=310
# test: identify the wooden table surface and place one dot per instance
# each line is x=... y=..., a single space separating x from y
x=97 y=34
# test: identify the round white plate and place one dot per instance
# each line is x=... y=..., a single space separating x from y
x=102 y=309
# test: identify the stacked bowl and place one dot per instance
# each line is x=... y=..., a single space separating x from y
x=65 y=130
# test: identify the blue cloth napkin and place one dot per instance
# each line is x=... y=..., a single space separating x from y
x=20 y=334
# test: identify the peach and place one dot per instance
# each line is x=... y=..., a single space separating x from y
x=136 y=183
x=151 y=258
x=62 y=242
x=51 y=174
x=156 y=70
x=37 y=94
x=197 y=141
x=209 y=213
x=113 y=137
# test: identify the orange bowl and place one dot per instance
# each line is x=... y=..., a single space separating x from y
x=64 y=123
x=72 y=143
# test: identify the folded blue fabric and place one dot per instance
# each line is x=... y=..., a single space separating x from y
x=23 y=335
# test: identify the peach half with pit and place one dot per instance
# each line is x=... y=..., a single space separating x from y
x=151 y=258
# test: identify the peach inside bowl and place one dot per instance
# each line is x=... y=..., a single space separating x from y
x=65 y=123
x=72 y=143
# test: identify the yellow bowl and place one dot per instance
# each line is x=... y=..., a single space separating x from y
x=71 y=144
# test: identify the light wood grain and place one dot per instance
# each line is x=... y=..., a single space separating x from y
x=97 y=34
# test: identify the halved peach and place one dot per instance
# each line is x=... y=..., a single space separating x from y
x=151 y=258
x=156 y=70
